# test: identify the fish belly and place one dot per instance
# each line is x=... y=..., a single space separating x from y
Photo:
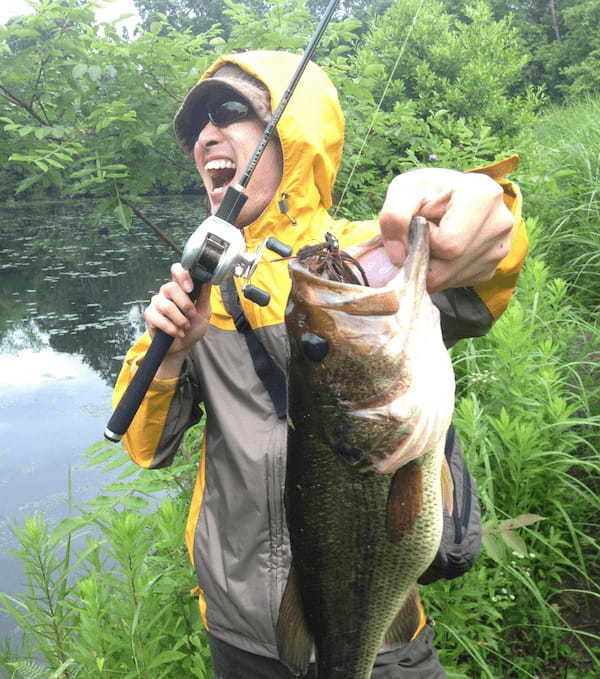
x=353 y=579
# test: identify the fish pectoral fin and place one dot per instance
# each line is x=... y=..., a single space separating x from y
x=294 y=641
x=405 y=500
x=447 y=487
x=408 y=622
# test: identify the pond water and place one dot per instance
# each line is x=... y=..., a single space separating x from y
x=72 y=293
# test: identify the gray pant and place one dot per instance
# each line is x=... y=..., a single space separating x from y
x=416 y=660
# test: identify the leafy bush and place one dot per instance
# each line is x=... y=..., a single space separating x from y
x=426 y=67
x=121 y=603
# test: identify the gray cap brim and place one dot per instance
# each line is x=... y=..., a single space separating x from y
x=192 y=116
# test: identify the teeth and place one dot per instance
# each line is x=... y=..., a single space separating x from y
x=219 y=165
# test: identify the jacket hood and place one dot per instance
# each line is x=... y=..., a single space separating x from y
x=311 y=134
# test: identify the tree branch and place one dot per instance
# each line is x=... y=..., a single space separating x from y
x=157 y=231
x=17 y=102
x=555 y=25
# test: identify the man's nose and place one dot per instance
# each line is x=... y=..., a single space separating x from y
x=209 y=135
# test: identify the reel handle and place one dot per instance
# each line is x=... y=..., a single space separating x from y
x=282 y=249
x=256 y=295
x=130 y=402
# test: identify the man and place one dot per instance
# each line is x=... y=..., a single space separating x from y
x=236 y=532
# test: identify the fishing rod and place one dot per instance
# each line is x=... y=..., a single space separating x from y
x=214 y=252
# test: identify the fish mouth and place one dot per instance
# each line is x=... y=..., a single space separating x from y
x=220 y=173
x=387 y=282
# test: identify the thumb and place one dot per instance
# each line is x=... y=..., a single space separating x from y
x=394 y=220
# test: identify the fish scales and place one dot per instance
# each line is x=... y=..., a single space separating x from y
x=360 y=539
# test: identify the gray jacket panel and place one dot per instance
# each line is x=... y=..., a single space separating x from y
x=241 y=544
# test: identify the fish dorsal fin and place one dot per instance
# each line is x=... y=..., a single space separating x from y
x=408 y=621
x=447 y=487
x=294 y=641
x=405 y=500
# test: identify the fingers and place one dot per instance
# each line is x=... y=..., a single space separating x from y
x=182 y=277
x=471 y=219
x=470 y=227
x=172 y=311
x=472 y=257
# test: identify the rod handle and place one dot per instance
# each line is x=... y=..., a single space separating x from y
x=137 y=388
x=131 y=400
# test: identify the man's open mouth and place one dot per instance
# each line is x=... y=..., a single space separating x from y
x=221 y=172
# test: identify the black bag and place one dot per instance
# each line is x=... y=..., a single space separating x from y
x=461 y=535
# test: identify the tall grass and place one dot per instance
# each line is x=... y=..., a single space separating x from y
x=527 y=413
x=560 y=176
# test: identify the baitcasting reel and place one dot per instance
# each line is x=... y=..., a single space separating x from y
x=217 y=249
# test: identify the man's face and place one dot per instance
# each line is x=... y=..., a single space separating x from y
x=221 y=155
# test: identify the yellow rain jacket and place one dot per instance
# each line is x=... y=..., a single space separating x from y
x=236 y=531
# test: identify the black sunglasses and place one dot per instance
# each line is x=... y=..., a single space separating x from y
x=225 y=112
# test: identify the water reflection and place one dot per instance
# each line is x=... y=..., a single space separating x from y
x=72 y=292
x=84 y=282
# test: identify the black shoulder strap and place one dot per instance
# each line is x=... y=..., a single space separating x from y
x=270 y=374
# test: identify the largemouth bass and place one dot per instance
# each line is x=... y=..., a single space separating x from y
x=371 y=393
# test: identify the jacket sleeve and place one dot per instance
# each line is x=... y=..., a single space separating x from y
x=471 y=312
x=169 y=408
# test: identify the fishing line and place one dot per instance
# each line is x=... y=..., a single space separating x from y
x=378 y=107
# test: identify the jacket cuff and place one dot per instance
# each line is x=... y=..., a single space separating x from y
x=496 y=293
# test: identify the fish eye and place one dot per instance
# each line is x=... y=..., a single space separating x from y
x=314 y=347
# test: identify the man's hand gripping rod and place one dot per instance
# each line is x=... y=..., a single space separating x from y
x=213 y=252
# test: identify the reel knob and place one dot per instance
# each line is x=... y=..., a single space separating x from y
x=278 y=247
x=256 y=295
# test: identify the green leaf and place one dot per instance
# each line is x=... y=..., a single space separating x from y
x=83 y=173
x=22 y=158
x=102 y=501
x=134 y=502
x=27 y=182
x=124 y=215
x=54 y=163
x=117 y=167
x=70 y=525
x=515 y=542
x=494 y=548
x=42 y=165
x=129 y=471
x=28 y=669
x=95 y=73
x=103 y=123
x=59 y=673
x=42 y=132
x=166 y=657
x=79 y=71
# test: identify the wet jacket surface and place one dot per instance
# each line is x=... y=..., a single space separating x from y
x=236 y=531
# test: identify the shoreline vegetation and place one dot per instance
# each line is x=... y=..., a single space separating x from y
x=110 y=590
